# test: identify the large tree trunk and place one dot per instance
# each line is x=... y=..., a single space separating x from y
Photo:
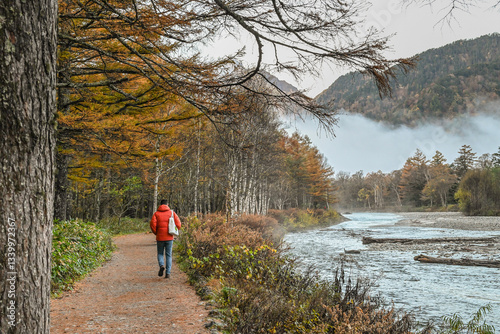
x=27 y=111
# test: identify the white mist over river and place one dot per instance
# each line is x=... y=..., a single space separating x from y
x=428 y=290
x=363 y=144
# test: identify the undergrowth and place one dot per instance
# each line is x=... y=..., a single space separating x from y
x=259 y=288
x=302 y=219
x=124 y=225
x=455 y=324
x=77 y=248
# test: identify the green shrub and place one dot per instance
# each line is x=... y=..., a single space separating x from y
x=455 y=324
x=479 y=193
x=77 y=248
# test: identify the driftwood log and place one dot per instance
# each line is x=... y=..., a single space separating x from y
x=352 y=251
x=369 y=240
x=457 y=262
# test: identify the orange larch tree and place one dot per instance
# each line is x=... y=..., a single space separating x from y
x=414 y=176
x=118 y=58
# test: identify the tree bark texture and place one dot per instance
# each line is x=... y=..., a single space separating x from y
x=27 y=143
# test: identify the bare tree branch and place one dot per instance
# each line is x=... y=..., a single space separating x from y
x=451 y=7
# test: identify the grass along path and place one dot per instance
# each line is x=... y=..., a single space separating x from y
x=125 y=295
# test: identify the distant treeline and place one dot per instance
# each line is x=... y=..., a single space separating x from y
x=470 y=184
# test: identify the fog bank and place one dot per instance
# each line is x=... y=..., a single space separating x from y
x=363 y=144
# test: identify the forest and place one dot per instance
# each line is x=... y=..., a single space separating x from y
x=470 y=184
x=250 y=168
x=143 y=115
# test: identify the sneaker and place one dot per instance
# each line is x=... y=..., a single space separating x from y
x=160 y=273
x=167 y=275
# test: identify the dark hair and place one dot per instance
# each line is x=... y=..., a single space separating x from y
x=163 y=201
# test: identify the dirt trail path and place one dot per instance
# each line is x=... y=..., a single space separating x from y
x=127 y=296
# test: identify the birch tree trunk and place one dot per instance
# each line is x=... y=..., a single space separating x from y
x=97 y=201
x=197 y=177
x=27 y=161
x=398 y=196
x=230 y=186
x=156 y=180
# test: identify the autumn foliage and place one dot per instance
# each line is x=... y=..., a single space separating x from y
x=121 y=167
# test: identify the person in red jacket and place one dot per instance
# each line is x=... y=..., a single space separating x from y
x=164 y=240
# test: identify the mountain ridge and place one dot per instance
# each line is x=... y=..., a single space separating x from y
x=458 y=78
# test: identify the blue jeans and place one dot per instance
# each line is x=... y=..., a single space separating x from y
x=165 y=247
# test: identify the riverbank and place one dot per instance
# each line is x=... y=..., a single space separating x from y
x=296 y=220
x=429 y=291
x=451 y=220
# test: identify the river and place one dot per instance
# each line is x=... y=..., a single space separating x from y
x=428 y=290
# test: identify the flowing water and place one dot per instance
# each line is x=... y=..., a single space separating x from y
x=428 y=290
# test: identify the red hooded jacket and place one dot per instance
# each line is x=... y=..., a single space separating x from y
x=159 y=223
